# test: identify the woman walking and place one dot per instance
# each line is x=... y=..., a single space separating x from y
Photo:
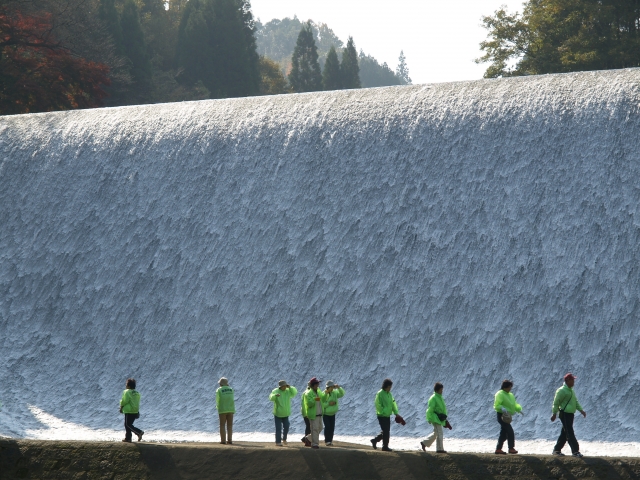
x=436 y=416
x=506 y=406
x=130 y=406
x=225 y=404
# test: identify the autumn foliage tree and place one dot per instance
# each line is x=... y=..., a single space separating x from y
x=38 y=73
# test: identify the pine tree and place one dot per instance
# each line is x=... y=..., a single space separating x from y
x=109 y=16
x=331 y=75
x=349 y=66
x=402 y=71
x=133 y=43
x=305 y=73
x=216 y=45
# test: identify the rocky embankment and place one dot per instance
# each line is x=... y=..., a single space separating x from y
x=101 y=460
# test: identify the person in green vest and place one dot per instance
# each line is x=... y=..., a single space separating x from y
x=313 y=405
x=226 y=406
x=566 y=402
x=506 y=406
x=130 y=406
x=385 y=406
x=281 y=398
x=330 y=407
x=437 y=416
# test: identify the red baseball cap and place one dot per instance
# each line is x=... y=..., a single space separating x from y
x=569 y=376
x=313 y=381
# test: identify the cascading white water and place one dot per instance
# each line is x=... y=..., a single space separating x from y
x=463 y=233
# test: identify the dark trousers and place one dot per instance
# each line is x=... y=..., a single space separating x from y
x=385 y=433
x=307 y=426
x=129 y=418
x=329 y=427
x=567 y=434
x=506 y=433
x=282 y=428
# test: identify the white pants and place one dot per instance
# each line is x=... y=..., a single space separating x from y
x=437 y=436
x=316 y=428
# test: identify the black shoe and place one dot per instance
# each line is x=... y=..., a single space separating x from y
x=126 y=440
x=386 y=449
x=441 y=451
x=139 y=435
x=374 y=443
x=577 y=454
x=557 y=453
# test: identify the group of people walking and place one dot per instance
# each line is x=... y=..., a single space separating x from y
x=319 y=408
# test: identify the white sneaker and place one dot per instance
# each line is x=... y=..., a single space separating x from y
x=577 y=454
x=329 y=444
x=278 y=444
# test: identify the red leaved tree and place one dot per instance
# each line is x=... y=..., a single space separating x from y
x=38 y=74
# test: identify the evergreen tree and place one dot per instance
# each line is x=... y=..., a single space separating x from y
x=331 y=75
x=133 y=43
x=216 y=45
x=305 y=73
x=402 y=71
x=349 y=66
x=111 y=20
x=372 y=74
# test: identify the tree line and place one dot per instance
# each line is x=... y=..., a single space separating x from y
x=277 y=40
x=64 y=54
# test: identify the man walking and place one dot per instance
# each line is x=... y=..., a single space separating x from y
x=226 y=408
x=313 y=403
x=385 y=406
x=281 y=398
x=566 y=402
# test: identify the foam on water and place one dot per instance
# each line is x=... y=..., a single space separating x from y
x=462 y=233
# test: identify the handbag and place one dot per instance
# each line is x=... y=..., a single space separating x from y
x=441 y=416
x=506 y=417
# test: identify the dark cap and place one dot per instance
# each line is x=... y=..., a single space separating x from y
x=569 y=376
x=314 y=381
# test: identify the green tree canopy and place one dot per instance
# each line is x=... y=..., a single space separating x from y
x=216 y=45
x=553 y=36
x=305 y=73
x=331 y=75
x=272 y=81
x=349 y=66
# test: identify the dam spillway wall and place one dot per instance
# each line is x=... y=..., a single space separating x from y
x=463 y=233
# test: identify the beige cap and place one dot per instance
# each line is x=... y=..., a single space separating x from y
x=223 y=382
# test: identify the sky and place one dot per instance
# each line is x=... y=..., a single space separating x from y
x=440 y=39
